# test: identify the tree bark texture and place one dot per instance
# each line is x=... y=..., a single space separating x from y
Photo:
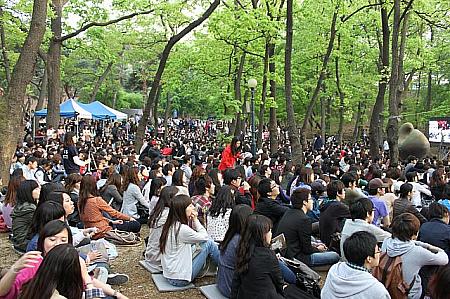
x=11 y=104
x=162 y=64
x=341 y=94
x=273 y=126
x=6 y=63
x=262 y=106
x=100 y=81
x=237 y=92
x=296 y=148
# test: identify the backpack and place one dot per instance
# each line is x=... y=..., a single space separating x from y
x=389 y=273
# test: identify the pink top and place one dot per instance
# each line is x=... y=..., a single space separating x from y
x=24 y=276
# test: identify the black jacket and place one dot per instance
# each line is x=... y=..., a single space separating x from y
x=403 y=205
x=332 y=218
x=263 y=279
x=271 y=209
x=245 y=198
x=297 y=230
x=436 y=233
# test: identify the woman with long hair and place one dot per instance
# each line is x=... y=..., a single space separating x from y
x=59 y=276
x=217 y=179
x=72 y=186
x=155 y=222
x=71 y=160
x=111 y=192
x=228 y=248
x=177 y=240
x=257 y=269
x=230 y=154
x=10 y=199
x=22 y=216
x=179 y=180
x=438 y=181
x=91 y=207
x=198 y=172
x=132 y=196
x=218 y=216
x=155 y=190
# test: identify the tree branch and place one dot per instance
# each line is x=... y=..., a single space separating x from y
x=345 y=18
x=408 y=6
x=102 y=24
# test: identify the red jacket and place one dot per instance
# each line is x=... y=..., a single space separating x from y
x=228 y=160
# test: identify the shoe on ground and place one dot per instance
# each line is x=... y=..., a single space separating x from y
x=117 y=279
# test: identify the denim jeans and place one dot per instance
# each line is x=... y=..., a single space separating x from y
x=209 y=249
x=324 y=258
x=288 y=276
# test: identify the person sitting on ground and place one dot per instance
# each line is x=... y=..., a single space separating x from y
x=437 y=231
x=43 y=172
x=156 y=222
x=181 y=265
x=179 y=180
x=91 y=207
x=202 y=199
x=22 y=216
x=30 y=167
x=232 y=178
x=168 y=171
x=376 y=189
x=297 y=230
x=218 y=216
x=111 y=192
x=333 y=213
x=155 y=190
x=229 y=246
x=403 y=203
x=438 y=286
x=132 y=196
x=9 y=201
x=361 y=212
x=266 y=205
x=353 y=279
x=72 y=187
x=257 y=270
x=414 y=254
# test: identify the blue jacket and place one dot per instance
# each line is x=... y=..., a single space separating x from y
x=437 y=233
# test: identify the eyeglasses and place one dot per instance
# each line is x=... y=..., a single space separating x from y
x=376 y=252
x=273 y=187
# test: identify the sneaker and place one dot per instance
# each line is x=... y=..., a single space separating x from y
x=117 y=278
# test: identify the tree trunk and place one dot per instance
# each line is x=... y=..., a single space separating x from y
x=43 y=91
x=54 y=66
x=322 y=75
x=166 y=115
x=162 y=64
x=273 y=126
x=430 y=80
x=375 y=120
x=6 y=63
x=356 y=131
x=341 y=94
x=114 y=99
x=237 y=92
x=155 y=107
x=100 y=82
x=11 y=104
x=296 y=148
x=328 y=116
x=322 y=118
x=262 y=106
x=394 y=85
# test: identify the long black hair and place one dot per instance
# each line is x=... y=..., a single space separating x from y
x=177 y=178
x=177 y=213
x=25 y=191
x=234 y=148
x=223 y=201
x=156 y=185
x=47 y=189
x=165 y=198
x=60 y=271
x=254 y=236
x=46 y=212
x=53 y=228
x=237 y=222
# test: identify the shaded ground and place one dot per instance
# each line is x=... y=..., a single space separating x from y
x=140 y=284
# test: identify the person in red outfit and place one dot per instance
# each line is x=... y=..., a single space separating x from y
x=230 y=154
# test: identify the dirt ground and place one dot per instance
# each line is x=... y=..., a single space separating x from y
x=140 y=285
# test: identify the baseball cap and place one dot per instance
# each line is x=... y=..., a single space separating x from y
x=377 y=183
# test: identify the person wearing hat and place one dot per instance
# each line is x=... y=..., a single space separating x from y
x=376 y=189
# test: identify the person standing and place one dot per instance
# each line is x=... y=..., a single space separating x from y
x=230 y=154
x=71 y=160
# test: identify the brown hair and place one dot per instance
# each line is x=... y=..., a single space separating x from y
x=13 y=185
x=71 y=180
x=405 y=226
x=88 y=189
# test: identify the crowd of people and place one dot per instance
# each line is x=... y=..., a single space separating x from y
x=380 y=230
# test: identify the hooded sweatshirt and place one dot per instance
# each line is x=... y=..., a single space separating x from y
x=345 y=282
x=414 y=255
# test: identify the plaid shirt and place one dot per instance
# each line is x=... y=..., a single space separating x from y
x=202 y=204
x=93 y=293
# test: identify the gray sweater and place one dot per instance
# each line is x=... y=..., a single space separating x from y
x=130 y=198
x=414 y=255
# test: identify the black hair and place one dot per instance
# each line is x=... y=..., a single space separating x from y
x=405 y=188
x=299 y=197
x=439 y=282
x=230 y=175
x=46 y=212
x=360 y=207
x=48 y=188
x=167 y=168
x=177 y=178
x=156 y=185
x=348 y=178
x=334 y=188
x=25 y=191
x=165 y=198
x=359 y=246
x=223 y=201
x=52 y=228
x=410 y=176
x=61 y=271
x=253 y=236
x=437 y=210
x=264 y=187
x=236 y=224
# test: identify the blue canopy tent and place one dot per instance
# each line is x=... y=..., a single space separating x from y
x=68 y=109
x=102 y=112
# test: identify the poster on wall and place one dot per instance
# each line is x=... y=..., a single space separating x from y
x=439 y=130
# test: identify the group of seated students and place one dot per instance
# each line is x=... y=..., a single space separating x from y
x=198 y=216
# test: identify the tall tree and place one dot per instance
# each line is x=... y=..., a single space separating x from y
x=12 y=103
